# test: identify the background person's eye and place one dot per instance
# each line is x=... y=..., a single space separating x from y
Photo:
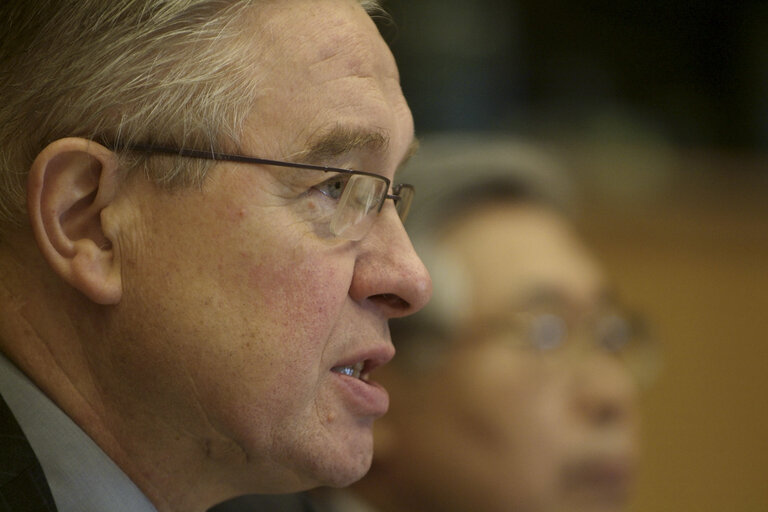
x=333 y=187
x=547 y=331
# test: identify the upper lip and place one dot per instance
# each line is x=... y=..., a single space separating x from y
x=372 y=358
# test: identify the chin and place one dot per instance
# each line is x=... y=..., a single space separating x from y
x=340 y=462
x=340 y=481
x=355 y=468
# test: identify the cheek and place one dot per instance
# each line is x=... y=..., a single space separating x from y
x=298 y=293
x=544 y=430
x=293 y=301
x=282 y=310
x=511 y=405
x=481 y=434
x=293 y=285
x=496 y=387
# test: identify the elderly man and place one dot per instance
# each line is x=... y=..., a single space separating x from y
x=516 y=388
x=194 y=287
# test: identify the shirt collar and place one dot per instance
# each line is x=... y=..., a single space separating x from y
x=82 y=478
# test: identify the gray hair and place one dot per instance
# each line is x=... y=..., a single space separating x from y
x=173 y=72
x=453 y=173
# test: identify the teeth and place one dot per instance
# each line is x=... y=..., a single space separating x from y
x=352 y=370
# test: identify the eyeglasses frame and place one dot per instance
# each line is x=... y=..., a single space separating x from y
x=242 y=159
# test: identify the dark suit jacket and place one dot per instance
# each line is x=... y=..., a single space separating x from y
x=23 y=487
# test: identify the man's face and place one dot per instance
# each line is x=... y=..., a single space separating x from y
x=238 y=307
x=498 y=427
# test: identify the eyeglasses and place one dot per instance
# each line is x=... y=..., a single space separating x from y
x=620 y=334
x=359 y=195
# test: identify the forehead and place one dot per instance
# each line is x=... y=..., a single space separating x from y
x=516 y=252
x=316 y=30
x=322 y=66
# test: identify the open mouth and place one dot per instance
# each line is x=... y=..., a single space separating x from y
x=362 y=395
x=356 y=371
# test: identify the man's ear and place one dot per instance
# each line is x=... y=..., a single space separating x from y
x=70 y=182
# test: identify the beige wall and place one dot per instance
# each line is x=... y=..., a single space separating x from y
x=690 y=249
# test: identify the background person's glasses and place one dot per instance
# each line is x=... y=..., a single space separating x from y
x=360 y=198
x=624 y=335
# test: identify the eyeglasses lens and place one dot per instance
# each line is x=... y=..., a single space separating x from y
x=358 y=207
x=403 y=204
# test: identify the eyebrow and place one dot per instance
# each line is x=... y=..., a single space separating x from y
x=342 y=140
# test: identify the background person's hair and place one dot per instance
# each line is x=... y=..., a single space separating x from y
x=452 y=175
x=172 y=72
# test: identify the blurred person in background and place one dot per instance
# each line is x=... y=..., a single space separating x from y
x=516 y=388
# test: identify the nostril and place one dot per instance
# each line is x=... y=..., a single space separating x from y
x=392 y=301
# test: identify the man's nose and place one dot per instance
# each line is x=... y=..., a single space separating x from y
x=388 y=272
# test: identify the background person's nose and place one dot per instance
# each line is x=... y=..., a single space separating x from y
x=604 y=391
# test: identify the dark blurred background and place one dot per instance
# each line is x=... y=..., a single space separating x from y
x=660 y=110
x=693 y=72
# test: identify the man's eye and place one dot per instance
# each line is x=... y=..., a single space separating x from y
x=333 y=187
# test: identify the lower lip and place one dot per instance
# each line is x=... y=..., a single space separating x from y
x=365 y=398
